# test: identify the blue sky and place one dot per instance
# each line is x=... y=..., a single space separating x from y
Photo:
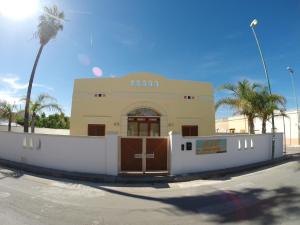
x=205 y=40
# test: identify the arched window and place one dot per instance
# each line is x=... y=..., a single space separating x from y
x=143 y=112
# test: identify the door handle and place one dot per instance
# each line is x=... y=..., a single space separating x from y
x=138 y=156
x=150 y=156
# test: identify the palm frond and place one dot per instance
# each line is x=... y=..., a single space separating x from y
x=231 y=102
x=51 y=22
x=51 y=107
x=228 y=87
x=6 y=109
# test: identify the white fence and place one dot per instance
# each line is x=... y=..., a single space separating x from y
x=75 y=154
x=240 y=150
x=99 y=155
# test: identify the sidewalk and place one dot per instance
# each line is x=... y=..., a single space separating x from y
x=292 y=150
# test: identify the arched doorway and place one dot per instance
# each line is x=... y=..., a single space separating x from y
x=143 y=122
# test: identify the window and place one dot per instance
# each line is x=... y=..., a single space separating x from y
x=143 y=126
x=99 y=95
x=232 y=130
x=189 y=97
x=189 y=130
x=132 y=129
x=143 y=112
x=96 y=130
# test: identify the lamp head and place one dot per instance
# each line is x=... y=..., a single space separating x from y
x=290 y=69
x=254 y=23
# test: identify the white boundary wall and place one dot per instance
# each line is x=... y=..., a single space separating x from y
x=97 y=155
x=237 y=155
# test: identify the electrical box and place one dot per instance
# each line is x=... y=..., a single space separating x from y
x=189 y=146
x=182 y=147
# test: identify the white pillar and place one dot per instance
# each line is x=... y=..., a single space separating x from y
x=175 y=147
x=112 y=149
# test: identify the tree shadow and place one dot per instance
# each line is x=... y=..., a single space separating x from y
x=256 y=205
x=4 y=173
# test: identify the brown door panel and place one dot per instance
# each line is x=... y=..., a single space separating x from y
x=156 y=154
x=130 y=149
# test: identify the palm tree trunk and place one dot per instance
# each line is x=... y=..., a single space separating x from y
x=26 y=116
x=263 y=126
x=9 y=123
x=33 y=123
x=251 y=124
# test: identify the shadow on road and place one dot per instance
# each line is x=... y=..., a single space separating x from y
x=256 y=205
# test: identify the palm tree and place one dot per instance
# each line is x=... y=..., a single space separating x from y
x=8 y=111
x=42 y=102
x=50 y=23
x=242 y=100
x=266 y=104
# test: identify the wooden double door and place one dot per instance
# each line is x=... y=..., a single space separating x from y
x=144 y=155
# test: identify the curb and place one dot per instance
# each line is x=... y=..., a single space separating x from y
x=36 y=170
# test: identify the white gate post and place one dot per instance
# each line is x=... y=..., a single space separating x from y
x=112 y=148
x=175 y=144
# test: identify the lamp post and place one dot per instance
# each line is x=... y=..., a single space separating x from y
x=291 y=72
x=253 y=25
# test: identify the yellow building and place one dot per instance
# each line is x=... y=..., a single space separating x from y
x=142 y=104
x=234 y=124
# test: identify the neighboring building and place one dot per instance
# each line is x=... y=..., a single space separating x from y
x=142 y=104
x=288 y=125
x=234 y=124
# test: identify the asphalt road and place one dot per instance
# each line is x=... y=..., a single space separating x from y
x=269 y=196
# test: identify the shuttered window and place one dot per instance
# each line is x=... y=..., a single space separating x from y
x=96 y=130
x=188 y=130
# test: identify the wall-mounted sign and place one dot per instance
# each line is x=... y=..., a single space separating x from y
x=211 y=146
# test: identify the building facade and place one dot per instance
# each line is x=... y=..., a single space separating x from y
x=288 y=125
x=142 y=104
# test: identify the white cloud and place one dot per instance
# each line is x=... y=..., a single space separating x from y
x=7 y=96
x=42 y=86
x=11 y=89
x=12 y=83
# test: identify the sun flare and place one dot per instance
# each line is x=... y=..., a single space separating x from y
x=18 y=9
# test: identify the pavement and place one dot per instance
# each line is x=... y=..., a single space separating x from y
x=292 y=150
x=264 y=196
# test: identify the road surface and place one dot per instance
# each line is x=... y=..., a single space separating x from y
x=269 y=196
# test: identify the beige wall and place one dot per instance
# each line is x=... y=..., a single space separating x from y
x=122 y=97
x=238 y=123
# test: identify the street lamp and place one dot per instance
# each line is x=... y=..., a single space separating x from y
x=253 y=24
x=291 y=72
